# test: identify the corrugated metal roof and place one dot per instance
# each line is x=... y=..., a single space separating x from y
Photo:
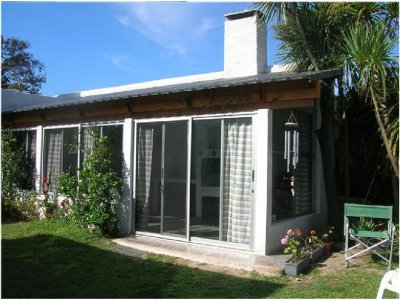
x=76 y=99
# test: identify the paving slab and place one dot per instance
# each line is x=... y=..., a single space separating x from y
x=206 y=254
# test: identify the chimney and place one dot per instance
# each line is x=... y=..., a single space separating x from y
x=245 y=45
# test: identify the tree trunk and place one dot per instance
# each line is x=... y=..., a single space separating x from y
x=346 y=160
x=326 y=138
x=383 y=133
x=306 y=46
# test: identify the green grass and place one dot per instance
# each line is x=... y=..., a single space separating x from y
x=49 y=259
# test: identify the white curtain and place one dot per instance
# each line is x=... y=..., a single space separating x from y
x=144 y=165
x=54 y=155
x=87 y=143
x=237 y=185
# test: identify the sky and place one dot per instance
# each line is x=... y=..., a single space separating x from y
x=95 y=45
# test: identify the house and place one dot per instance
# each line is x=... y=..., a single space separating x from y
x=202 y=156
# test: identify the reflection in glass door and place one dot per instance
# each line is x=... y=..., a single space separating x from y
x=161 y=177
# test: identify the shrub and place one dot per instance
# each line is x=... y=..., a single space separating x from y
x=96 y=194
x=11 y=166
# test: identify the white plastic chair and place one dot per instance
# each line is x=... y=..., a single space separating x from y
x=391 y=282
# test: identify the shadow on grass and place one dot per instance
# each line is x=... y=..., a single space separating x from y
x=47 y=266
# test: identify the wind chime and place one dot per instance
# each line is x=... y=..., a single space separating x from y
x=291 y=153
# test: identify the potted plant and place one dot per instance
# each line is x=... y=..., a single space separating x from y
x=295 y=246
x=326 y=238
x=314 y=245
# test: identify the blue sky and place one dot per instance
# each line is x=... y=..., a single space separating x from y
x=94 y=45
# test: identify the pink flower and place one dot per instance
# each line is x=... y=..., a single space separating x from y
x=284 y=241
x=313 y=232
x=290 y=232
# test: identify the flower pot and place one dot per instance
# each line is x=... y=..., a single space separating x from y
x=327 y=247
x=316 y=255
x=296 y=268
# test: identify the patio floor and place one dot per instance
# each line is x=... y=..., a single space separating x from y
x=205 y=254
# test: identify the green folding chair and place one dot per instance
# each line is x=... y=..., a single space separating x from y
x=366 y=240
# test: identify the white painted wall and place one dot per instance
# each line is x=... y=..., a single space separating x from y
x=262 y=150
x=124 y=210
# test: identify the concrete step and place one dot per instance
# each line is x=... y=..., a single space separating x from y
x=272 y=265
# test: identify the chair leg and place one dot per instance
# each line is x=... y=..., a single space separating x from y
x=346 y=249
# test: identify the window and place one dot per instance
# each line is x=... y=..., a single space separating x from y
x=61 y=150
x=60 y=153
x=292 y=191
x=114 y=138
x=26 y=140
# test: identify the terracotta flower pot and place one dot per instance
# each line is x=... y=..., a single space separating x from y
x=327 y=247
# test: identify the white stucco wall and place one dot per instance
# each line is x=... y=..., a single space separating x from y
x=262 y=150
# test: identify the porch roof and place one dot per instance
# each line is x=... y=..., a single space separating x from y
x=78 y=98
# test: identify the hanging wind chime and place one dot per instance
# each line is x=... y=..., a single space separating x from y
x=291 y=153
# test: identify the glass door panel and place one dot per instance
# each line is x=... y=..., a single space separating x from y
x=161 y=177
x=206 y=162
x=222 y=169
x=175 y=178
x=148 y=177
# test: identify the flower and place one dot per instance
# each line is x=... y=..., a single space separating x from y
x=312 y=241
x=294 y=245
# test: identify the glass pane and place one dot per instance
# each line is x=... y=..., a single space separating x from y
x=292 y=191
x=205 y=198
x=148 y=177
x=114 y=137
x=175 y=169
x=61 y=154
x=26 y=141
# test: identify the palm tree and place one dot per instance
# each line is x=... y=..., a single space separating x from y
x=369 y=63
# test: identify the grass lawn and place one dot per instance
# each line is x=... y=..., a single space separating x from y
x=49 y=259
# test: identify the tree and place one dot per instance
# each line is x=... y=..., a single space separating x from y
x=369 y=63
x=20 y=70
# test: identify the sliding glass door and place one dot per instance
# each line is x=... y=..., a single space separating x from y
x=161 y=177
x=221 y=179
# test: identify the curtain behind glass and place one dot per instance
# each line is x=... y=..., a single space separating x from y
x=143 y=180
x=237 y=185
x=53 y=159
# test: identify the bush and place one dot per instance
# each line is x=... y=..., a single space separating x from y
x=98 y=191
x=11 y=166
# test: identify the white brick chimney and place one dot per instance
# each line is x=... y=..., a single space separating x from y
x=245 y=45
